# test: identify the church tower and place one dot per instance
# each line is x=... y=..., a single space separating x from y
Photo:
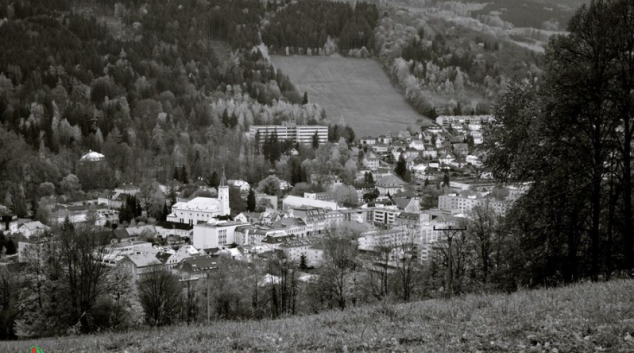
x=223 y=195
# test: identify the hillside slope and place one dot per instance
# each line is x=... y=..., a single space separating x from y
x=580 y=318
x=353 y=91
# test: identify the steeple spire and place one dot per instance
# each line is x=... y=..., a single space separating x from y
x=223 y=179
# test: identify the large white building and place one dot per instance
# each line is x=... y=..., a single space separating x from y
x=215 y=236
x=311 y=248
x=289 y=131
x=202 y=209
x=456 y=203
x=464 y=119
x=291 y=202
x=248 y=234
x=393 y=237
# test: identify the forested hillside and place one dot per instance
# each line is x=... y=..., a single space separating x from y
x=305 y=27
x=137 y=82
x=448 y=67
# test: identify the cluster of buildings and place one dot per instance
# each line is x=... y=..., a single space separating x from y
x=197 y=230
x=449 y=144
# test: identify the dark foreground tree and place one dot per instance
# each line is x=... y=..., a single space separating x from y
x=159 y=293
x=570 y=137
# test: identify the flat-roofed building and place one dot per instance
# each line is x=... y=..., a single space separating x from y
x=289 y=131
x=215 y=236
x=291 y=202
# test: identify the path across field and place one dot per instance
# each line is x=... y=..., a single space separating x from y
x=355 y=92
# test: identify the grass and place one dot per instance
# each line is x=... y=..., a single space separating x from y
x=353 y=91
x=579 y=318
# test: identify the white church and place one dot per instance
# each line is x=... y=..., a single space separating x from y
x=202 y=209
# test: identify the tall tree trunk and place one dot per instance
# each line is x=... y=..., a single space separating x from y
x=628 y=237
x=594 y=230
x=572 y=247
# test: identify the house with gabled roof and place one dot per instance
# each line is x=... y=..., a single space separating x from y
x=380 y=148
x=407 y=204
x=30 y=229
x=274 y=241
x=139 y=264
x=426 y=136
x=405 y=135
x=308 y=247
x=430 y=152
x=371 y=161
x=384 y=139
x=121 y=235
x=368 y=140
x=113 y=199
x=390 y=184
x=446 y=158
x=434 y=129
x=477 y=137
x=195 y=268
x=418 y=145
x=397 y=152
x=249 y=217
x=412 y=219
x=294 y=226
x=184 y=252
x=240 y=184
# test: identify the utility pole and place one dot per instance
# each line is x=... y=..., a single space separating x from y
x=208 y=279
x=450 y=233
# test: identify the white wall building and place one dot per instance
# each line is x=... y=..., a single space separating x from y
x=462 y=204
x=291 y=201
x=214 y=235
x=289 y=131
x=310 y=248
x=202 y=209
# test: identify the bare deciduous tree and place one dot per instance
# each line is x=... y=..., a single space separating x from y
x=160 y=293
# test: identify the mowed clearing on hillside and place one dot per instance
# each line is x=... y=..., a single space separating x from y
x=353 y=91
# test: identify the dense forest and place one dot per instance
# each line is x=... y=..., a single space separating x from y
x=152 y=86
x=305 y=27
x=549 y=15
x=445 y=68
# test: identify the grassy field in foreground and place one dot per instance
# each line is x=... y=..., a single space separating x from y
x=353 y=91
x=580 y=318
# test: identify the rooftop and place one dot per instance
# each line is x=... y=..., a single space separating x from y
x=36 y=225
x=390 y=180
x=144 y=259
x=204 y=204
x=175 y=225
x=92 y=156
x=301 y=201
x=299 y=243
x=199 y=263
x=219 y=224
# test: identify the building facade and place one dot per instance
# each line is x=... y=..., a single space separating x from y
x=461 y=204
x=296 y=133
x=214 y=236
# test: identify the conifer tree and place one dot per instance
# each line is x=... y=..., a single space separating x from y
x=184 y=176
x=251 y=203
x=401 y=167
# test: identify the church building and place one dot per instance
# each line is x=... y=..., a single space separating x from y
x=202 y=209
